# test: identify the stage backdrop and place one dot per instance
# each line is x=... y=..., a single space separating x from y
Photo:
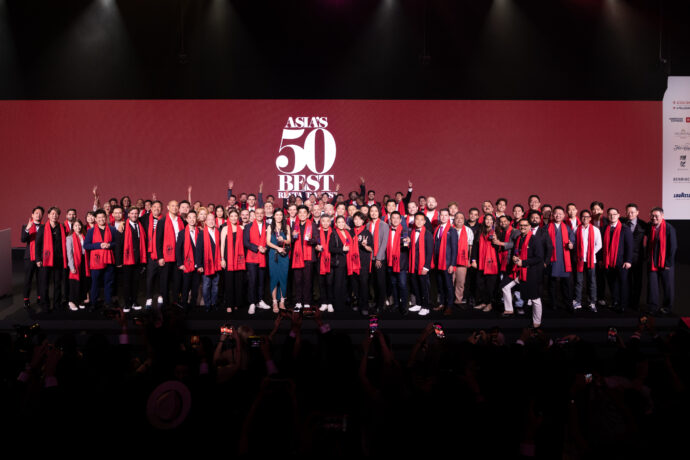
x=54 y=152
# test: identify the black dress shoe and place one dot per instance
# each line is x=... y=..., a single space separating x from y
x=520 y=311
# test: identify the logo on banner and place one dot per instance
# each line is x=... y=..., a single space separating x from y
x=676 y=119
x=684 y=148
x=682 y=134
x=305 y=157
x=683 y=161
x=681 y=196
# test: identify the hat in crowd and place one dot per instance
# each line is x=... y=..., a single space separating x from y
x=168 y=405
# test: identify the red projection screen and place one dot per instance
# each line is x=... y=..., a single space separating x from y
x=465 y=151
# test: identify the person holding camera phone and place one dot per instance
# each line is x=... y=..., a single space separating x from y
x=278 y=258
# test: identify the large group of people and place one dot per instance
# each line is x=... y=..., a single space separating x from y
x=336 y=252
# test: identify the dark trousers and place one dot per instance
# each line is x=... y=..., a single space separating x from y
x=171 y=276
x=419 y=285
x=360 y=286
x=256 y=276
x=45 y=276
x=618 y=285
x=30 y=269
x=566 y=296
x=636 y=273
x=486 y=287
x=129 y=274
x=153 y=271
x=666 y=277
x=446 y=290
x=77 y=291
x=471 y=284
x=234 y=288
x=399 y=288
x=107 y=276
x=118 y=281
x=190 y=284
x=326 y=282
x=303 y=283
x=378 y=277
x=339 y=286
x=601 y=277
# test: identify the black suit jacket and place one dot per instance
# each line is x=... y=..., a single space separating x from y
x=638 y=241
x=625 y=245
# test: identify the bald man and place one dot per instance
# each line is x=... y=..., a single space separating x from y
x=169 y=226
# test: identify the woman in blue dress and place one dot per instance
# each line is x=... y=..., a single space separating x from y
x=278 y=258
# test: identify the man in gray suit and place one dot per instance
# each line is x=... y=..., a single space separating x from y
x=379 y=231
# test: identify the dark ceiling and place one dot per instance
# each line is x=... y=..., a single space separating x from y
x=421 y=49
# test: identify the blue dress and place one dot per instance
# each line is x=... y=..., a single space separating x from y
x=278 y=267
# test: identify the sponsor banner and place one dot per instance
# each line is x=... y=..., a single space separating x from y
x=676 y=149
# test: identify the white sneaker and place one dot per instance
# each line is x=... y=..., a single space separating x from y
x=263 y=305
x=73 y=307
x=160 y=299
x=307 y=306
x=298 y=306
x=323 y=307
x=388 y=301
x=576 y=306
x=82 y=307
x=330 y=308
x=423 y=312
x=136 y=307
x=126 y=309
x=252 y=309
x=149 y=302
x=415 y=308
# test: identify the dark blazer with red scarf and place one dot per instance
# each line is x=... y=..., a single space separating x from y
x=671 y=245
x=625 y=245
x=531 y=287
x=160 y=233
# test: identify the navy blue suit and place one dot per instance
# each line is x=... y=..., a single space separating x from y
x=445 y=279
x=617 y=276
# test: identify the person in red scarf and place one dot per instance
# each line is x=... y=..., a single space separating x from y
x=401 y=201
x=662 y=245
x=70 y=218
x=465 y=242
x=150 y=223
x=444 y=259
x=186 y=260
x=587 y=245
x=233 y=261
x=303 y=257
x=420 y=254
x=208 y=261
x=360 y=281
x=506 y=236
x=527 y=264
x=28 y=236
x=345 y=261
x=101 y=242
x=638 y=227
x=50 y=255
x=221 y=217
x=78 y=266
x=397 y=262
x=485 y=260
x=599 y=220
x=255 y=235
x=323 y=238
x=617 y=259
x=131 y=256
x=431 y=211
x=379 y=241
x=559 y=269
x=169 y=226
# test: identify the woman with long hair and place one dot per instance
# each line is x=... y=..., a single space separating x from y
x=278 y=243
x=485 y=260
x=78 y=266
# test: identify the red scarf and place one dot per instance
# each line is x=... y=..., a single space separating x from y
x=152 y=238
x=463 y=246
x=128 y=251
x=503 y=255
x=353 y=263
x=393 y=252
x=67 y=227
x=434 y=218
x=188 y=249
x=442 y=249
x=659 y=234
x=48 y=245
x=581 y=248
x=401 y=207
x=211 y=259
x=258 y=240
x=32 y=241
x=99 y=258
x=521 y=272
x=111 y=219
x=235 y=257
x=487 y=256
x=325 y=262
x=302 y=250
x=611 y=247
x=169 y=238
x=416 y=266
x=565 y=239
x=76 y=255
